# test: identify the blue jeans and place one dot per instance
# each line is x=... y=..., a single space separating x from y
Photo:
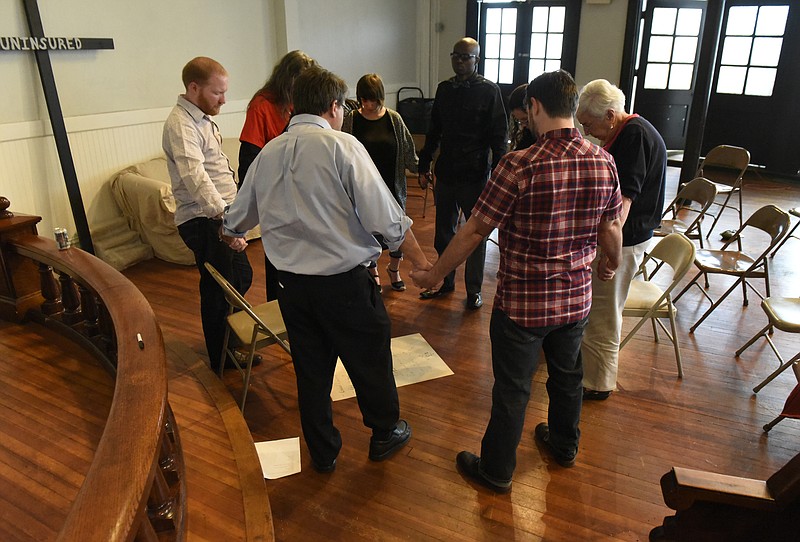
x=515 y=356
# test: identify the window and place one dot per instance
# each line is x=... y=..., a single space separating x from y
x=498 y=54
x=751 y=49
x=674 y=38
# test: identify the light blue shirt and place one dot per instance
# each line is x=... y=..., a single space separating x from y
x=319 y=200
x=202 y=178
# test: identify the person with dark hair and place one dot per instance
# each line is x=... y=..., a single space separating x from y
x=320 y=202
x=641 y=158
x=468 y=128
x=267 y=115
x=553 y=204
x=389 y=143
x=519 y=135
x=203 y=186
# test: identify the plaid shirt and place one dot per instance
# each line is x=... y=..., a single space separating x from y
x=546 y=202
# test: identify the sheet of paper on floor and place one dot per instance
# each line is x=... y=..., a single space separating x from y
x=279 y=458
x=414 y=361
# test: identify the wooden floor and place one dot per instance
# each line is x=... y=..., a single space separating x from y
x=709 y=420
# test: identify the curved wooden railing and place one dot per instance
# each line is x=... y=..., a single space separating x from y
x=134 y=488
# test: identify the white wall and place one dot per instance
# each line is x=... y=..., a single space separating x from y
x=115 y=101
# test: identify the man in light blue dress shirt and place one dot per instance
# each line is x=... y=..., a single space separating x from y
x=320 y=200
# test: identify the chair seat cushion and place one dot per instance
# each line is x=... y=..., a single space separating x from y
x=641 y=296
x=783 y=312
x=726 y=261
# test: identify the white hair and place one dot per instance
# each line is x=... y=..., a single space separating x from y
x=598 y=96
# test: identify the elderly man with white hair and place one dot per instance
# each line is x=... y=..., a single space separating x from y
x=641 y=157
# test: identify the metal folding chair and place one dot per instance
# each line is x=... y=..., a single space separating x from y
x=769 y=219
x=252 y=328
x=725 y=166
x=694 y=198
x=648 y=301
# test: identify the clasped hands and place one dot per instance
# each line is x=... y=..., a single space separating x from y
x=425 y=179
x=237 y=244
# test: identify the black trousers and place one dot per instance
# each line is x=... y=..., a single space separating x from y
x=339 y=316
x=201 y=235
x=450 y=197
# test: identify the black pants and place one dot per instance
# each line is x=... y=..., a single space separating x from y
x=339 y=316
x=201 y=235
x=450 y=197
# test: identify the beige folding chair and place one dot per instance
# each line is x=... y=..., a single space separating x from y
x=783 y=313
x=648 y=301
x=796 y=213
x=769 y=219
x=253 y=328
x=695 y=197
x=725 y=166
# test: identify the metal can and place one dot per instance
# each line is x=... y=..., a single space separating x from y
x=62 y=238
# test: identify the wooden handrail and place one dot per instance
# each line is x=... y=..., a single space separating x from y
x=112 y=502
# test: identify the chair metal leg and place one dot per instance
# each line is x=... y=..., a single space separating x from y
x=754 y=339
x=224 y=356
x=773 y=423
x=675 y=343
x=715 y=304
x=777 y=371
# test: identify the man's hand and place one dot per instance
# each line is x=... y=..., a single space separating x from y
x=424 y=179
x=604 y=272
x=235 y=243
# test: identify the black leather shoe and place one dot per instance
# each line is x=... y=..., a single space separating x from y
x=593 y=395
x=324 y=469
x=384 y=449
x=433 y=294
x=469 y=465
x=542 y=434
x=474 y=301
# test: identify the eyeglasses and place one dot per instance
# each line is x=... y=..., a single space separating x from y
x=463 y=57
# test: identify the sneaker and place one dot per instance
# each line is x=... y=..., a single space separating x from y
x=384 y=449
x=542 y=434
x=469 y=465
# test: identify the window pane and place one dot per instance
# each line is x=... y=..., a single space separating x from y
x=656 y=76
x=772 y=20
x=506 y=72
x=493 y=20
x=760 y=81
x=490 y=69
x=731 y=80
x=741 y=20
x=660 y=49
x=535 y=69
x=680 y=76
x=554 y=45
x=664 y=21
x=689 y=22
x=540 y=18
x=552 y=65
x=507 y=46
x=538 y=45
x=736 y=51
x=766 y=51
x=685 y=50
x=557 y=19
x=510 y=20
x=639 y=44
x=492 y=46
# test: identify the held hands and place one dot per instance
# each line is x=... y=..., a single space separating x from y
x=425 y=179
x=423 y=276
x=237 y=244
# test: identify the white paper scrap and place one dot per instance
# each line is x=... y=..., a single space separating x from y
x=279 y=458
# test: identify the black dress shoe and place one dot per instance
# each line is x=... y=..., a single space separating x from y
x=474 y=301
x=432 y=294
x=384 y=449
x=593 y=395
x=469 y=465
x=324 y=469
x=542 y=434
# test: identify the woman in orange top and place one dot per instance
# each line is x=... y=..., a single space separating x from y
x=267 y=116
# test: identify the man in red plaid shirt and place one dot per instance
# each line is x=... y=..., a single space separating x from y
x=552 y=204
